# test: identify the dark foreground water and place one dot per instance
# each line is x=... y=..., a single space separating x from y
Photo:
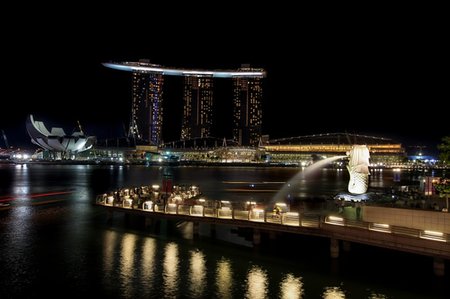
x=55 y=243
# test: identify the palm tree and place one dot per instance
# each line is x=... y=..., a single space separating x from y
x=443 y=188
x=444 y=150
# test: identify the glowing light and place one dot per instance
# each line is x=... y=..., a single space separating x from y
x=333 y=293
x=291 y=287
x=334 y=218
x=170 y=270
x=433 y=235
x=127 y=263
x=132 y=66
x=148 y=261
x=295 y=214
x=224 y=279
x=197 y=274
x=380 y=227
x=257 y=283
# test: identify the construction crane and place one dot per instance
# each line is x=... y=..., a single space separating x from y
x=79 y=127
x=5 y=139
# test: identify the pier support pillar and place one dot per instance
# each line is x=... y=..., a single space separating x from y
x=148 y=222
x=212 y=230
x=439 y=266
x=334 y=248
x=195 y=229
x=109 y=218
x=127 y=219
x=272 y=235
x=346 y=246
x=256 y=237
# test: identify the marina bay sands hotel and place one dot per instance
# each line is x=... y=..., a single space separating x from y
x=147 y=111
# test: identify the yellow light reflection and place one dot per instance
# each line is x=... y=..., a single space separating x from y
x=256 y=283
x=224 y=278
x=333 y=293
x=127 y=255
x=197 y=274
x=291 y=287
x=377 y=296
x=109 y=242
x=170 y=272
x=148 y=262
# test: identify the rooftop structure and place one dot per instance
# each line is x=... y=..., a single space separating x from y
x=152 y=68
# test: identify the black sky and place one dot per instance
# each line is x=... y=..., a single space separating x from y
x=375 y=75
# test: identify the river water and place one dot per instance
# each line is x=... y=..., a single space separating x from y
x=55 y=243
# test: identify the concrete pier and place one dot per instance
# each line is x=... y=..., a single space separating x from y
x=334 y=248
x=195 y=229
x=439 y=266
x=256 y=237
x=346 y=246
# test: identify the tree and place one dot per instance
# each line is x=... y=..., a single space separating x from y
x=443 y=188
x=444 y=149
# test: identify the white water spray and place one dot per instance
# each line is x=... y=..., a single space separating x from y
x=282 y=194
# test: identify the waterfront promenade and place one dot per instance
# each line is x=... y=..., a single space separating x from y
x=340 y=230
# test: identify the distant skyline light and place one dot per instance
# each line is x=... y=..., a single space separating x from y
x=137 y=66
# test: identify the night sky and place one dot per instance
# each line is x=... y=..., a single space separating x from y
x=365 y=75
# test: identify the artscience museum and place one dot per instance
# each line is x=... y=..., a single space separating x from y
x=56 y=141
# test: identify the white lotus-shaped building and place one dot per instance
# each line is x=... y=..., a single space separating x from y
x=56 y=139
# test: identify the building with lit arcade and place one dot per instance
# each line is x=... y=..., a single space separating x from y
x=304 y=149
x=147 y=115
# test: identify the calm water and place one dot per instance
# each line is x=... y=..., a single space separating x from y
x=55 y=243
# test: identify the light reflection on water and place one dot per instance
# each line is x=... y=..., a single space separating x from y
x=57 y=240
x=224 y=278
x=109 y=242
x=333 y=293
x=291 y=287
x=257 y=283
x=197 y=274
x=127 y=263
x=170 y=270
x=148 y=263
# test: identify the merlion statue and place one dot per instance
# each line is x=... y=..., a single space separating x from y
x=358 y=167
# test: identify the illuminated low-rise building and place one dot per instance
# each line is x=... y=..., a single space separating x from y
x=303 y=148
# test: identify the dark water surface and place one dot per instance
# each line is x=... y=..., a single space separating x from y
x=55 y=243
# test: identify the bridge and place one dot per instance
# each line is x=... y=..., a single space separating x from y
x=338 y=229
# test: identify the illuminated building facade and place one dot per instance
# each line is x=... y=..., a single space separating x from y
x=147 y=117
x=146 y=111
x=301 y=148
x=247 y=108
x=198 y=107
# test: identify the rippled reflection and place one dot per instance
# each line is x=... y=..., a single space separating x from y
x=333 y=293
x=21 y=184
x=197 y=274
x=127 y=270
x=291 y=287
x=256 y=283
x=148 y=262
x=109 y=242
x=377 y=296
x=170 y=272
x=224 y=278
